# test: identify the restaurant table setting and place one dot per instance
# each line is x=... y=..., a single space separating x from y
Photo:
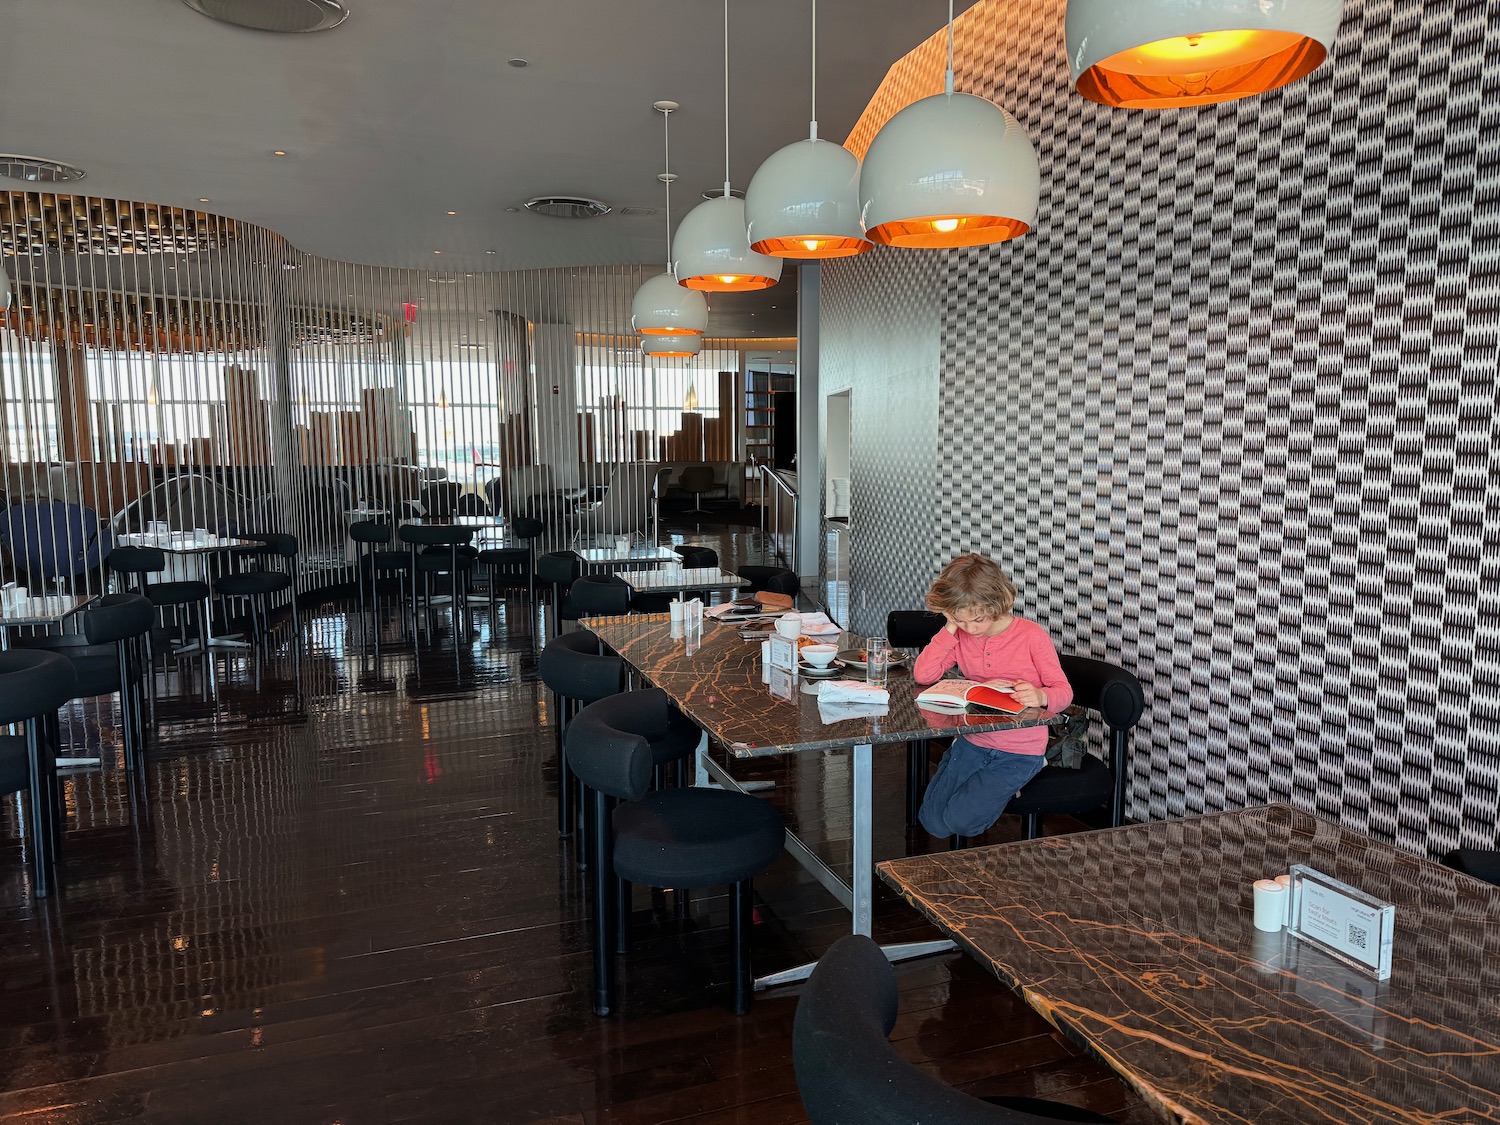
x=715 y=678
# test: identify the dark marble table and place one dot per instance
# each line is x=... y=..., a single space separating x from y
x=716 y=683
x=1137 y=942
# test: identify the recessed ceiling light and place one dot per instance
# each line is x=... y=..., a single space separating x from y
x=510 y=211
x=437 y=251
x=453 y=212
x=204 y=199
x=274 y=15
x=278 y=152
x=489 y=251
x=519 y=64
x=295 y=266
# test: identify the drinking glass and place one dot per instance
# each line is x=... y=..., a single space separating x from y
x=877 y=660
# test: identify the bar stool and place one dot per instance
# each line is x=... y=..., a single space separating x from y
x=913 y=628
x=600 y=595
x=529 y=531
x=369 y=536
x=33 y=685
x=770 y=579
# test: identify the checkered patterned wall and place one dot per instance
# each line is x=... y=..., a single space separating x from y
x=1226 y=414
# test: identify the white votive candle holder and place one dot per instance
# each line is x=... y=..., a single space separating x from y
x=1270 y=905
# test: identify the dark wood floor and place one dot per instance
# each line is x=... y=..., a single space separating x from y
x=343 y=899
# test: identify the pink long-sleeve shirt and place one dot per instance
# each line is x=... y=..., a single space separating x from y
x=1022 y=652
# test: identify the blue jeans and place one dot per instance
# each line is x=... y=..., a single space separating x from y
x=972 y=786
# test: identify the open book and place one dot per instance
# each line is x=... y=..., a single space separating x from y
x=956 y=695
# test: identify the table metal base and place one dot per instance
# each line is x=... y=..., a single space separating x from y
x=858 y=898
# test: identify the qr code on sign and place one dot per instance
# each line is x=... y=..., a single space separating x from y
x=1359 y=937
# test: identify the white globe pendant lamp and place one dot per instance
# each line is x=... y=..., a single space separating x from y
x=662 y=307
x=950 y=170
x=803 y=202
x=678 y=346
x=711 y=251
x=1160 y=54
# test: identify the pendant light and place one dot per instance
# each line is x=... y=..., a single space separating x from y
x=949 y=170
x=803 y=202
x=711 y=251
x=672 y=347
x=661 y=306
x=1158 y=54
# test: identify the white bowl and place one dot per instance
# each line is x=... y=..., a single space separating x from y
x=789 y=625
x=819 y=656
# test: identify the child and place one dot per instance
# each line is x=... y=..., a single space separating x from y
x=981 y=772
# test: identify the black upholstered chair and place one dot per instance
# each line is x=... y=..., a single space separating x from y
x=33 y=685
x=913 y=628
x=560 y=569
x=528 y=531
x=134 y=564
x=107 y=656
x=1118 y=697
x=667 y=838
x=770 y=579
x=506 y=569
x=693 y=558
x=848 y=1073
x=372 y=539
x=440 y=549
x=600 y=595
x=578 y=674
x=277 y=553
x=1482 y=863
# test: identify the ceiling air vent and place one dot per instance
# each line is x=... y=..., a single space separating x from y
x=37 y=170
x=636 y=212
x=274 y=15
x=567 y=207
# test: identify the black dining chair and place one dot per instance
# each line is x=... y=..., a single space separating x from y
x=506 y=569
x=34 y=683
x=770 y=579
x=277 y=555
x=185 y=599
x=107 y=657
x=600 y=595
x=440 y=549
x=375 y=561
x=913 y=628
x=1482 y=863
x=1119 y=698
x=560 y=569
x=849 y=1073
x=666 y=838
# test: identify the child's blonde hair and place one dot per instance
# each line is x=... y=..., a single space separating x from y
x=972 y=582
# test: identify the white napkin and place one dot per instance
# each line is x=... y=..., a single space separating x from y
x=853 y=691
x=721 y=609
x=818 y=625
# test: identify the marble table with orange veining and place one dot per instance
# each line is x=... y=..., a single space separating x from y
x=715 y=679
x=1137 y=942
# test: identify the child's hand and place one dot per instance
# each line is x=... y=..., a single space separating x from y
x=1028 y=694
x=951 y=625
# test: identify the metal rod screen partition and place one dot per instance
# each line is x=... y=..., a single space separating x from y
x=169 y=368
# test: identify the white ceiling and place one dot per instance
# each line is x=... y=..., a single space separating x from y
x=408 y=110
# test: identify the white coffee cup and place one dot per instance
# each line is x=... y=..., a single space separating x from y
x=789 y=624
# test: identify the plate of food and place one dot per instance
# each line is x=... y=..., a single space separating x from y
x=855 y=658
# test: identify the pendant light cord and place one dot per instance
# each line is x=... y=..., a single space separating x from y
x=947 y=78
x=666 y=172
x=812 y=133
x=726 y=97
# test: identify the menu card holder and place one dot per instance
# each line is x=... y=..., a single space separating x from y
x=1342 y=921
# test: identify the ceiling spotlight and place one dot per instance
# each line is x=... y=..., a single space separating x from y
x=278 y=152
x=518 y=63
x=453 y=212
x=203 y=199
